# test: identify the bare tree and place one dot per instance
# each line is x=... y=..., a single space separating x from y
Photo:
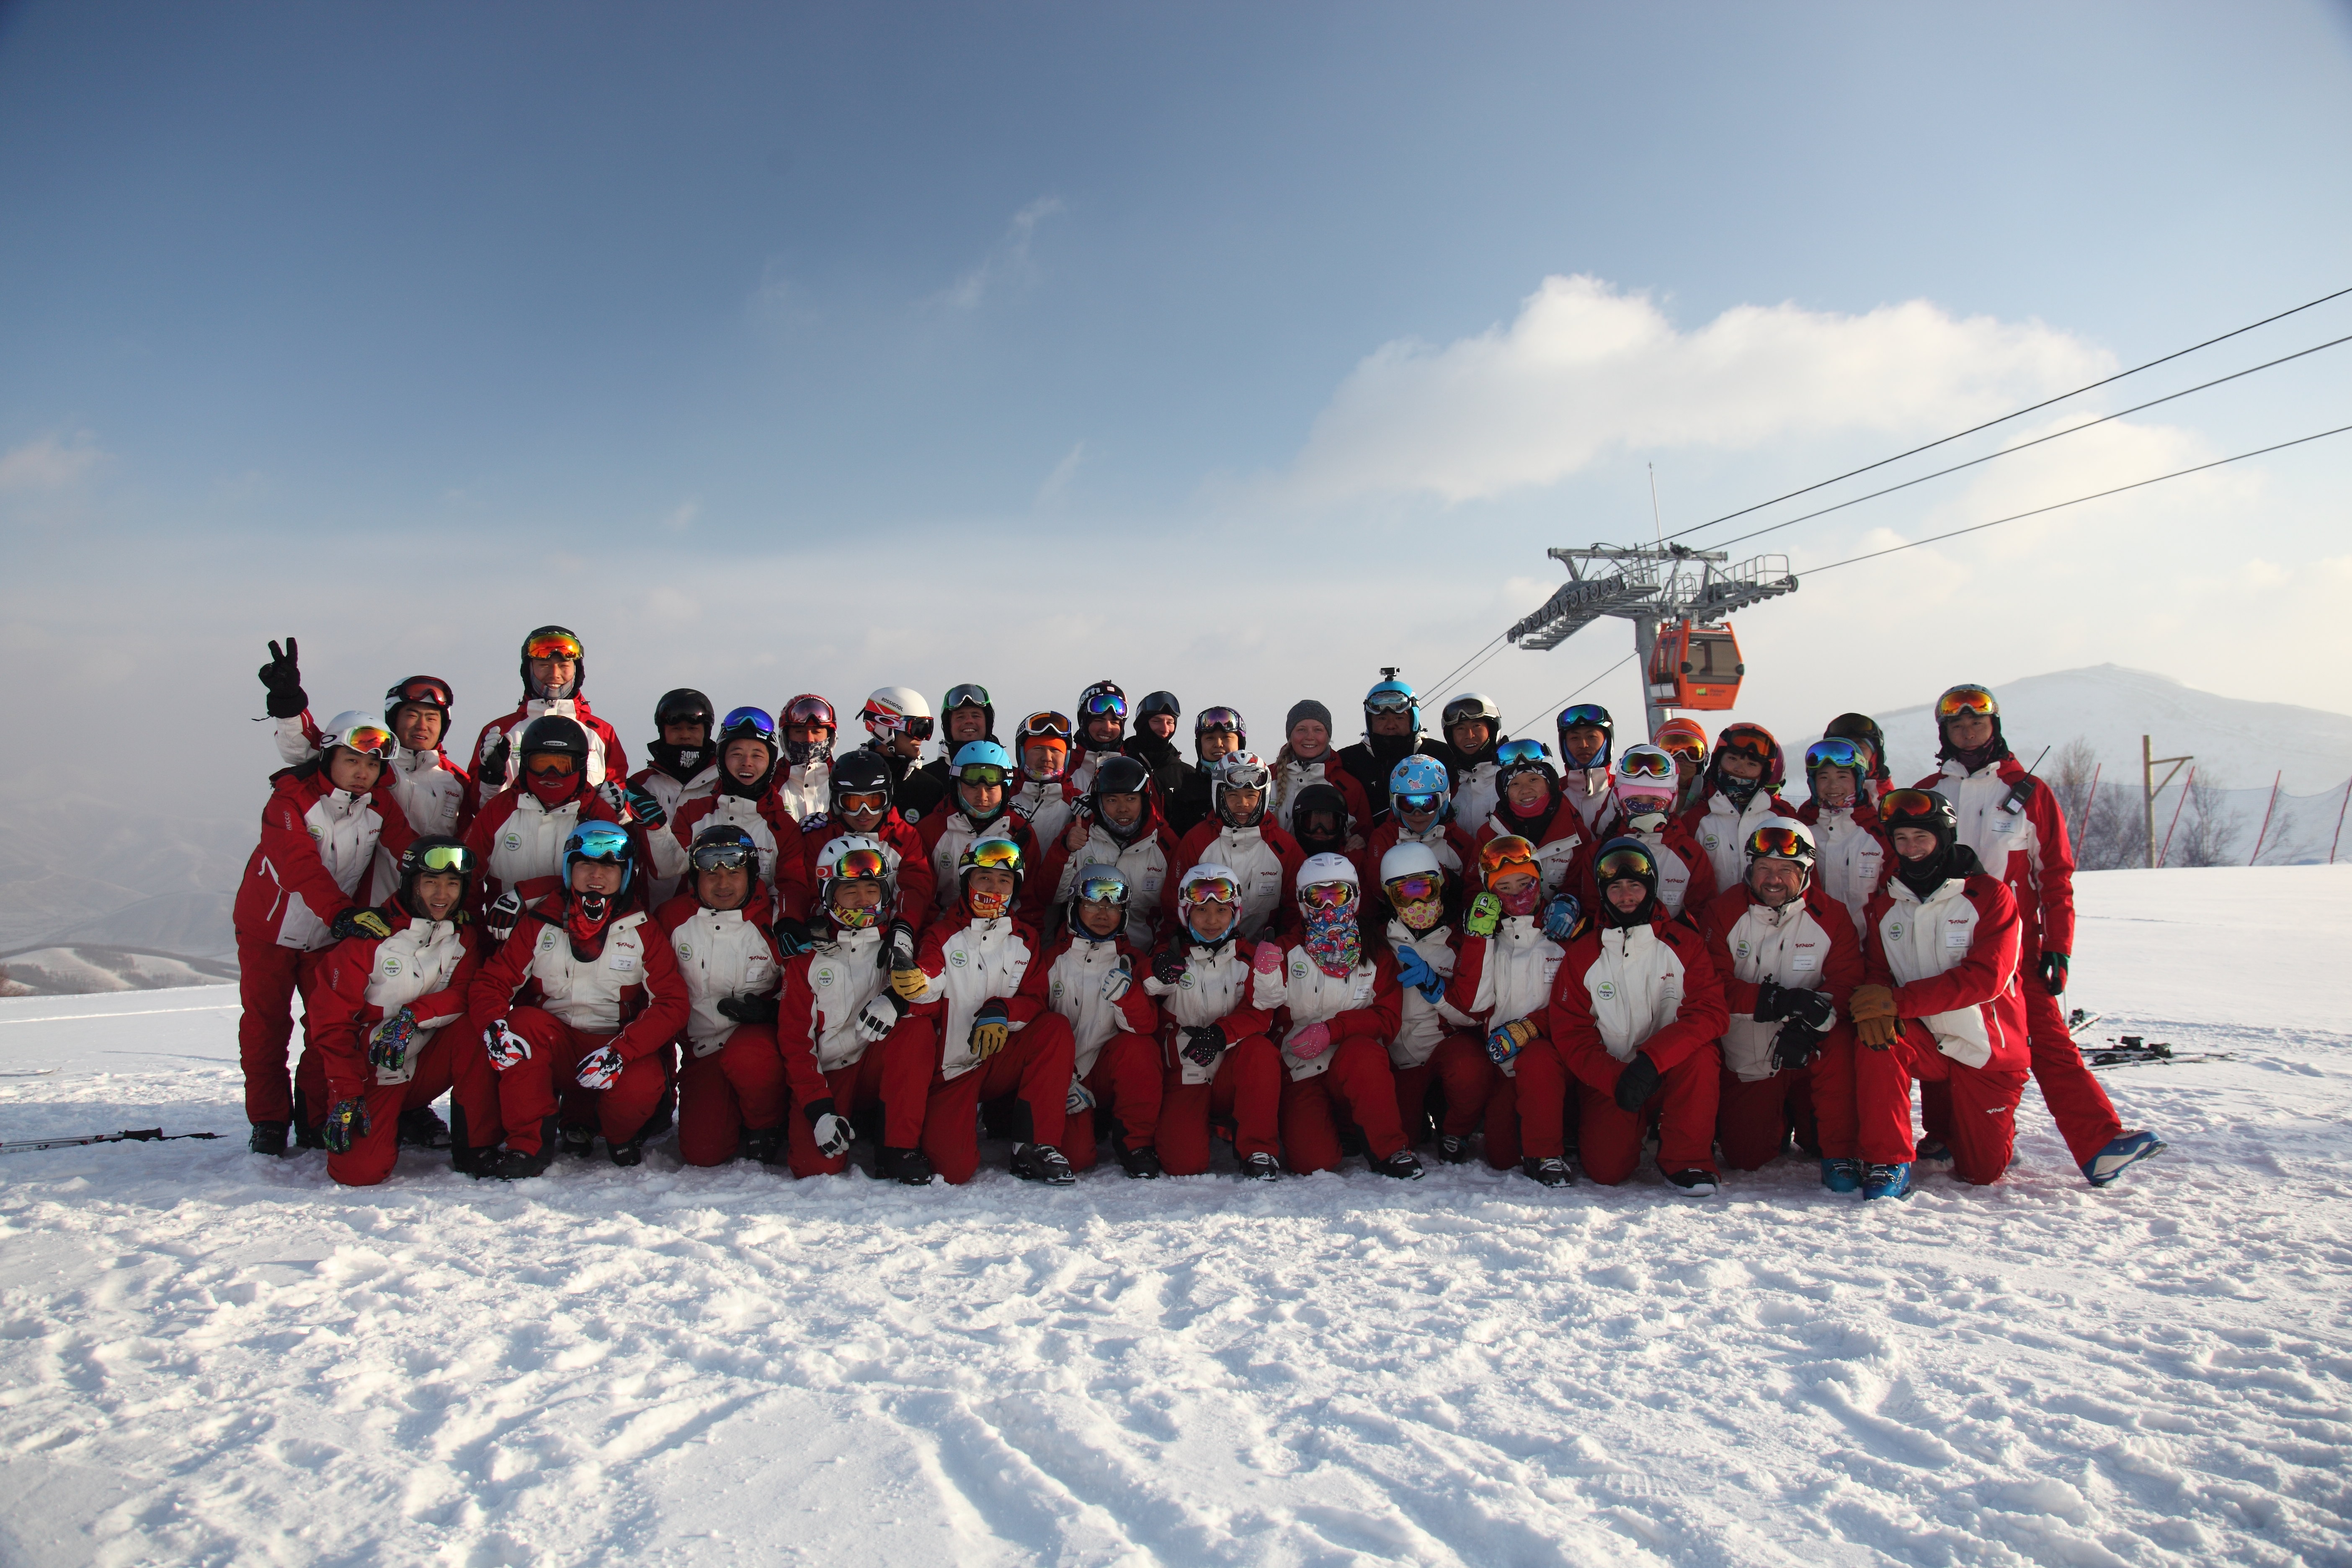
x=2105 y=825
x=2208 y=827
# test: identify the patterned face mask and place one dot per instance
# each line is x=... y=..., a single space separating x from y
x=1333 y=939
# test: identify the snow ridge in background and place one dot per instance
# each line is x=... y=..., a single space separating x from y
x=208 y=1357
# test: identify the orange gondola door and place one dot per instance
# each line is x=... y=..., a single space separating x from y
x=1697 y=667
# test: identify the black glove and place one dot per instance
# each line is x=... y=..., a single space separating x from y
x=1813 y=1009
x=346 y=1120
x=492 y=769
x=1772 y=1002
x=1204 y=1043
x=748 y=1009
x=284 y=679
x=898 y=951
x=2053 y=973
x=1168 y=962
x=1794 y=1045
x=499 y=918
x=1637 y=1082
x=793 y=935
x=831 y=1132
x=357 y=921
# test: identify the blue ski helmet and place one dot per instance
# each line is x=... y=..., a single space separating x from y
x=1392 y=696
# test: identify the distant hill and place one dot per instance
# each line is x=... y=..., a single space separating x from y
x=84 y=968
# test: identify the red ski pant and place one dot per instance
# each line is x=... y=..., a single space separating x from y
x=2086 y=1117
x=1461 y=1067
x=1358 y=1085
x=895 y=1073
x=1036 y=1065
x=1125 y=1083
x=1608 y=1141
x=1503 y=1148
x=1245 y=1091
x=1751 y=1120
x=532 y=1090
x=1973 y=1109
x=267 y=976
x=373 y=1154
x=741 y=1084
x=1829 y=1086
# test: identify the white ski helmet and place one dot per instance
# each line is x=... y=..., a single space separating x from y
x=1323 y=870
x=1405 y=859
x=856 y=857
x=356 y=731
x=1781 y=838
x=887 y=711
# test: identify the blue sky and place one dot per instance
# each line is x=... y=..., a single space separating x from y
x=786 y=348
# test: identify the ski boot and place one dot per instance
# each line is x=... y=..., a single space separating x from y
x=1454 y=1148
x=422 y=1129
x=1141 y=1164
x=1694 y=1184
x=908 y=1167
x=1550 y=1171
x=1042 y=1163
x=514 y=1165
x=268 y=1138
x=765 y=1144
x=1261 y=1167
x=628 y=1152
x=1401 y=1164
x=1842 y=1175
x=2125 y=1152
x=1887 y=1182
x=579 y=1142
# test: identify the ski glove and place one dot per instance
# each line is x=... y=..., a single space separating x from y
x=1871 y=1002
x=879 y=1016
x=632 y=806
x=1168 y=962
x=831 y=1132
x=389 y=1050
x=1772 y=1002
x=600 y=1068
x=499 y=918
x=1267 y=960
x=356 y=921
x=1510 y=1040
x=1414 y=970
x=909 y=982
x=792 y=936
x=748 y=1009
x=898 y=951
x=992 y=1027
x=283 y=678
x=1486 y=913
x=1561 y=916
x=1309 y=1042
x=491 y=770
x=1794 y=1045
x=2053 y=973
x=1080 y=1100
x=507 y=1049
x=1878 y=1033
x=1813 y=1009
x=346 y=1120
x=1116 y=984
x=1638 y=1083
x=1204 y=1043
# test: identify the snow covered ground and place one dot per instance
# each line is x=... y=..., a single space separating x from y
x=207 y=1358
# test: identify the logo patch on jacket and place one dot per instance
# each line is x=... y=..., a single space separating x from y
x=825 y=975
x=510 y=839
x=958 y=957
x=391 y=968
x=1606 y=991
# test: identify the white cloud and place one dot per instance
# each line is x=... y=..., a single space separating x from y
x=48 y=464
x=1585 y=369
x=1008 y=259
x=1058 y=482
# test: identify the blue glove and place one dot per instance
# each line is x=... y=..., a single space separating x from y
x=646 y=807
x=1561 y=916
x=1414 y=970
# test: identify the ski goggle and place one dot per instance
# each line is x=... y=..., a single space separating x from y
x=810 y=710
x=1904 y=803
x=917 y=726
x=1692 y=748
x=858 y=805
x=1102 y=890
x=368 y=739
x=1625 y=864
x=981 y=774
x=1645 y=766
x=1837 y=751
x=1517 y=753
x=1104 y=705
x=1389 y=701
x=1590 y=713
x=748 y=724
x=1962 y=699
x=966 y=696
x=552 y=646
x=424 y=688
x=444 y=858
x=1773 y=841
x=1508 y=856
x=1210 y=891
x=547 y=764
x=601 y=842
x=1417 y=803
x=1245 y=775
x=721 y=856
x=1047 y=725
x=1412 y=890
x=994 y=855
x=861 y=866
x=1218 y=719
x=1747 y=740
x=1327 y=895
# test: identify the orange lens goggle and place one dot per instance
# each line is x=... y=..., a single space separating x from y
x=1046 y=725
x=995 y=855
x=1688 y=746
x=365 y=739
x=1329 y=895
x=1212 y=890
x=864 y=801
x=548 y=762
x=1642 y=765
x=861 y=866
x=1897 y=803
x=1747 y=740
x=1962 y=699
x=1619 y=865
x=551 y=648
x=1413 y=890
x=1774 y=842
x=1504 y=856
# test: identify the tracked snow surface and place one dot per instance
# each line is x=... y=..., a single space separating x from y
x=206 y=1357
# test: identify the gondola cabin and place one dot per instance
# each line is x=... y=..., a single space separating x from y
x=1696 y=667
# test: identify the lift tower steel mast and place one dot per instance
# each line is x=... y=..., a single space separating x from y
x=1651 y=586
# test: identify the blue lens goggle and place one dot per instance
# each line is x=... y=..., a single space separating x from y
x=1511 y=753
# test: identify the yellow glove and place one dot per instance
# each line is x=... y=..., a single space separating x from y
x=990 y=1030
x=910 y=983
x=1878 y=1033
x=1871 y=1002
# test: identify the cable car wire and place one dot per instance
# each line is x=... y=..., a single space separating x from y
x=1594 y=681
x=2005 y=418
x=2078 y=500
x=1466 y=666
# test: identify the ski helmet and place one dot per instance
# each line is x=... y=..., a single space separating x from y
x=1047 y=728
x=1580 y=716
x=1319 y=879
x=1752 y=740
x=1411 y=874
x=1474 y=705
x=1211 y=720
x=896 y=710
x=1390 y=695
x=357 y=732
x=1925 y=808
x=601 y=843
x=1645 y=780
x=424 y=690
x=970 y=694
x=1967 y=698
x=554 y=642
x=982 y=754
x=1420 y=775
x=749 y=724
x=1098 y=884
x=1158 y=702
x=553 y=735
x=1122 y=774
x=1839 y=751
x=1622 y=860
x=856 y=858
x=1781 y=838
x=1683 y=737
x=1318 y=817
x=989 y=852
x=1209 y=883
x=859 y=774
x=684 y=705
x=1239 y=771
x=1861 y=727
x=1513 y=758
x=723 y=846
x=808 y=710
x=1103 y=699
x=1506 y=855
x=435 y=854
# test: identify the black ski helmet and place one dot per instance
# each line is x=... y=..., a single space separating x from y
x=553 y=733
x=1158 y=702
x=1864 y=728
x=859 y=773
x=968 y=694
x=1925 y=808
x=1622 y=860
x=685 y=705
x=579 y=658
x=436 y=852
x=425 y=692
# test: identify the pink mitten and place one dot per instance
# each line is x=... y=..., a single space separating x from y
x=1309 y=1042
x=1267 y=960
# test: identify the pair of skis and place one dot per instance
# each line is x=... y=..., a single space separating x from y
x=129 y=1135
x=2133 y=1050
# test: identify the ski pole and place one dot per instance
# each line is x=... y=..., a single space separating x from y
x=127 y=1135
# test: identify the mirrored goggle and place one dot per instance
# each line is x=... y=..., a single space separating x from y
x=1102 y=890
x=551 y=648
x=1512 y=753
x=445 y=858
x=1389 y=702
x=1898 y=802
x=1507 y=853
x=1774 y=842
x=917 y=726
x=1966 y=700
x=1047 y=725
x=1210 y=891
x=862 y=801
x=747 y=724
x=1246 y=775
x=601 y=843
x=1218 y=719
x=1329 y=895
x=1619 y=864
x=1418 y=802
x=366 y=739
x=966 y=696
x=1590 y=713
x=811 y=711
x=1835 y=753
x=427 y=690
x=995 y=855
x=1689 y=746
x=981 y=774
x=549 y=763
x=1412 y=890
x=1645 y=766
x=1747 y=742
x=1104 y=704
x=861 y=866
x=722 y=857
